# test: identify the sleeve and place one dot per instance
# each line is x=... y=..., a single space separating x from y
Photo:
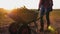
x=51 y=2
x=40 y=2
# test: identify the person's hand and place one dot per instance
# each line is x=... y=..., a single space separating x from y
x=38 y=9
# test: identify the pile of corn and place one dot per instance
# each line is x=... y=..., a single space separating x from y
x=23 y=15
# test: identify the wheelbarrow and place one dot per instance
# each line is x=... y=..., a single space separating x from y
x=22 y=17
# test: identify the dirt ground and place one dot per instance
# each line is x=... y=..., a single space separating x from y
x=54 y=19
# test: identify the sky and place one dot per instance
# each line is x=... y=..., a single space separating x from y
x=30 y=4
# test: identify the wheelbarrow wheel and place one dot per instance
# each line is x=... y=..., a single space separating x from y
x=12 y=28
x=24 y=30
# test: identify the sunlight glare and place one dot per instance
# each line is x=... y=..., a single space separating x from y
x=9 y=4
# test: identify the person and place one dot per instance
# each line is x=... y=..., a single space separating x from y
x=45 y=6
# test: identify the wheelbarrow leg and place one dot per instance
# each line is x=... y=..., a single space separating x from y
x=35 y=21
x=34 y=28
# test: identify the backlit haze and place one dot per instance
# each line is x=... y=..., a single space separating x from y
x=30 y=4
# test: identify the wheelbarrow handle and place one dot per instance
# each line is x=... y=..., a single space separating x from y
x=33 y=20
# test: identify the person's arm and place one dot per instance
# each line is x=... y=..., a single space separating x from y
x=40 y=2
x=51 y=2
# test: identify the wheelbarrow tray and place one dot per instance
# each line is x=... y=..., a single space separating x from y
x=23 y=15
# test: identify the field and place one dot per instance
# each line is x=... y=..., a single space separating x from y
x=54 y=18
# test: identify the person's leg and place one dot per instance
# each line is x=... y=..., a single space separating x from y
x=47 y=18
x=41 y=18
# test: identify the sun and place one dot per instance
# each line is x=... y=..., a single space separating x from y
x=9 y=4
x=8 y=8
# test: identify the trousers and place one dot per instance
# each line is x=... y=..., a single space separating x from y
x=44 y=11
